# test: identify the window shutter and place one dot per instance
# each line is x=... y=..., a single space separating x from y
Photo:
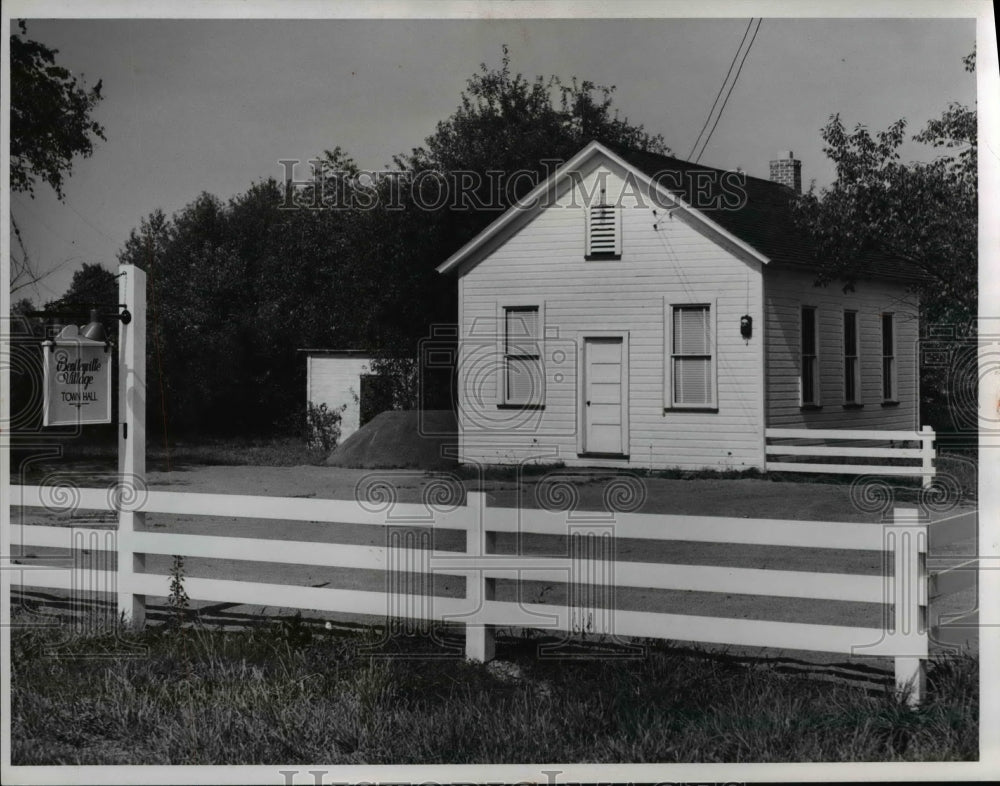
x=604 y=237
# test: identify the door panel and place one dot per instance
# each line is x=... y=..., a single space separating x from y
x=603 y=395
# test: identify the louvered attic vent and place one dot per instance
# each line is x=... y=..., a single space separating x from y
x=604 y=232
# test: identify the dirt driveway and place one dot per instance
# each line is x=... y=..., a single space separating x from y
x=581 y=490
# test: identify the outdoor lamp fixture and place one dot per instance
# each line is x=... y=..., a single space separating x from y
x=94 y=330
x=746 y=326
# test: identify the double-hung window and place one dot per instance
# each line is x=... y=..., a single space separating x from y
x=522 y=367
x=852 y=366
x=889 y=392
x=692 y=367
x=809 y=381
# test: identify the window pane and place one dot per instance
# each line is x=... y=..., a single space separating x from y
x=850 y=333
x=692 y=381
x=808 y=379
x=691 y=331
x=524 y=381
x=850 y=356
x=521 y=331
x=850 y=369
x=887 y=377
x=887 y=338
x=808 y=331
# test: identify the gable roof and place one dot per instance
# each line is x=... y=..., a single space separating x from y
x=765 y=221
x=762 y=226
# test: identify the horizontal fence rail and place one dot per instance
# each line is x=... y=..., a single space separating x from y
x=586 y=571
x=922 y=457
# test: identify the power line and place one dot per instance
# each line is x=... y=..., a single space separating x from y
x=87 y=221
x=730 y=92
x=721 y=88
x=37 y=217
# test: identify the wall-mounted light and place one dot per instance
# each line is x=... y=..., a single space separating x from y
x=746 y=326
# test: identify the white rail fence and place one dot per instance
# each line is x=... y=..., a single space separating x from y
x=921 y=458
x=590 y=570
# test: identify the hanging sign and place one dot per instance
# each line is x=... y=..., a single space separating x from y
x=77 y=380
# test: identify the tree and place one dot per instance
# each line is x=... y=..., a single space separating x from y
x=51 y=123
x=50 y=116
x=506 y=135
x=237 y=287
x=93 y=286
x=921 y=214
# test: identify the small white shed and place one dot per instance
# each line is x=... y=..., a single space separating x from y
x=333 y=377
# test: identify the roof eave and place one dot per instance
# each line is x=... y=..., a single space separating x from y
x=688 y=209
x=516 y=209
x=460 y=256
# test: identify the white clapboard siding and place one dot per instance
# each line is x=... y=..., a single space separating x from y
x=785 y=292
x=544 y=264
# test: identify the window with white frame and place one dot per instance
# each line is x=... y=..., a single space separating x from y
x=522 y=357
x=852 y=366
x=604 y=231
x=888 y=358
x=809 y=381
x=692 y=371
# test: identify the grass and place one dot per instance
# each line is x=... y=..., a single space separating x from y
x=287 y=692
x=957 y=470
x=204 y=451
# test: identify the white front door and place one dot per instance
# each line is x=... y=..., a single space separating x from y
x=603 y=395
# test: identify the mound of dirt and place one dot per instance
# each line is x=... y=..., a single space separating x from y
x=401 y=439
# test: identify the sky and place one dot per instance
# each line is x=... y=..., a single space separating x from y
x=213 y=105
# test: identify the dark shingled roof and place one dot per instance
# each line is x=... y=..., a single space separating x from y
x=764 y=221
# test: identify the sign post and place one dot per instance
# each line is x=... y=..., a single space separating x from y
x=131 y=438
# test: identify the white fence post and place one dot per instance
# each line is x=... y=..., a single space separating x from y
x=927 y=456
x=910 y=598
x=131 y=437
x=480 y=640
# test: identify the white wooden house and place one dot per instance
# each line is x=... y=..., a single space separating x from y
x=639 y=310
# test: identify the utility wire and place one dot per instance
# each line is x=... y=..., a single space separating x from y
x=88 y=222
x=722 y=87
x=729 y=93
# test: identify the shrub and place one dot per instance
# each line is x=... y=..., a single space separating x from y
x=323 y=426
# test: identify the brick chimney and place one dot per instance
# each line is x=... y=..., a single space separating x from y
x=787 y=170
